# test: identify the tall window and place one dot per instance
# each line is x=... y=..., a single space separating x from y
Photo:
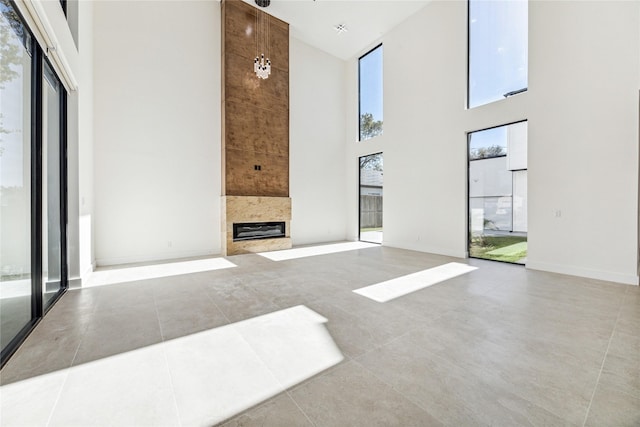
x=371 y=183
x=370 y=97
x=498 y=54
x=498 y=193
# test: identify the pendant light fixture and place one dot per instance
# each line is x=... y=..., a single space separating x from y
x=262 y=63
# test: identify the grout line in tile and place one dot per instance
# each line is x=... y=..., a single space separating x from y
x=328 y=370
x=386 y=343
x=80 y=341
x=409 y=397
x=166 y=362
x=75 y=355
x=155 y=307
x=173 y=389
x=299 y=408
x=55 y=405
x=210 y=298
x=604 y=359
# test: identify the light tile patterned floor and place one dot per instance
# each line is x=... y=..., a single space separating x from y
x=289 y=344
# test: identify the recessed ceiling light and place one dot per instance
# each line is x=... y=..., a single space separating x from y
x=341 y=28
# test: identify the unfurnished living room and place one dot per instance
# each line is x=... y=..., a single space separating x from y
x=319 y=213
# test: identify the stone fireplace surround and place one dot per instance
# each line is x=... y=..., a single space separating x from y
x=243 y=209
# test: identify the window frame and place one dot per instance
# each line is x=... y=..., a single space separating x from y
x=360 y=190
x=506 y=95
x=468 y=185
x=379 y=45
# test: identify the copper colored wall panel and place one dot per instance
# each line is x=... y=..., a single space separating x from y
x=255 y=111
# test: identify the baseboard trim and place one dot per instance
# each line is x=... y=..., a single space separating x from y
x=75 y=283
x=608 y=276
x=428 y=250
x=134 y=259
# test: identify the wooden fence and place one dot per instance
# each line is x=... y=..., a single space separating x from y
x=370 y=211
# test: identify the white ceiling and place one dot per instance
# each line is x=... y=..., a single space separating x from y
x=313 y=21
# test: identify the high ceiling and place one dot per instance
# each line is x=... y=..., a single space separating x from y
x=314 y=21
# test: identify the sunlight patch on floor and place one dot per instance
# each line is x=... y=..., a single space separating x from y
x=199 y=379
x=316 y=250
x=112 y=276
x=391 y=289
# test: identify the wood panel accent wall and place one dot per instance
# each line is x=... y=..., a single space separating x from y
x=255 y=112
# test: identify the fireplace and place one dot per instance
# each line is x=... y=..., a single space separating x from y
x=252 y=224
x=258 y=230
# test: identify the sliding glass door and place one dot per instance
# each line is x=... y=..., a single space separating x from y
x=33 y=271
x=15 y=177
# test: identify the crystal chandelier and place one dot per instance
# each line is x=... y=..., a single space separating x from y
x=262 y=63
x=262 y=67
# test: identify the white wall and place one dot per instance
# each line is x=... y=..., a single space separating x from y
x=86 y=140
x=583 y=138
x=582 y=111
x=157 y=130
x=424 y=143
x=317 y=148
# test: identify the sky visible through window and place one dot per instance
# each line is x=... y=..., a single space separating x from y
x=488 y=143
x=498 y=50
x=371 y=92
x=489 y=137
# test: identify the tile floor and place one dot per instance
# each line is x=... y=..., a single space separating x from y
x=289 y=344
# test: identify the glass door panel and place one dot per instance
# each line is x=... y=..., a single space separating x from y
x=15 y=177
x=51 y=187
x=498 y=193
x=371 y=183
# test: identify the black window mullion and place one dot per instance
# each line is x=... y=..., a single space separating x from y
x=64 y=205
x=36 y=180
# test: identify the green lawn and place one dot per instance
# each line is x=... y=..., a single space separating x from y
x=371 y=229
x=499 y=248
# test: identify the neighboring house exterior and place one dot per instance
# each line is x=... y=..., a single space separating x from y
x=371 y=182
x=498 y=187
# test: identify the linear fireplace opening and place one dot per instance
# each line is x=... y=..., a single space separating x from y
x=258 y=230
